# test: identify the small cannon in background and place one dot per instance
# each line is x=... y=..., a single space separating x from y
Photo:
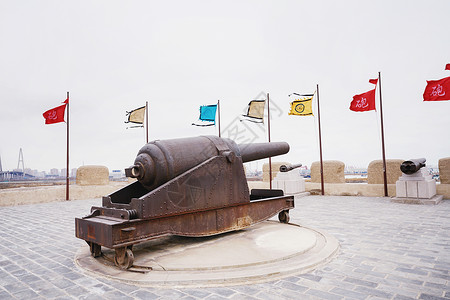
x=412 y=166
x=287 y=168
x=188 y=187
x=416 y=185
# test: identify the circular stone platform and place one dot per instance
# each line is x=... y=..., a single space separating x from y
x=267 y=251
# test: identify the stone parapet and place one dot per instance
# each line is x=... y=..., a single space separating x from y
x=333 y=171
x=350 y=189
x=444 y=170
x=44 y=194
x=32 y=195
x=92 y=175
x=275 y=169
x=375 y=171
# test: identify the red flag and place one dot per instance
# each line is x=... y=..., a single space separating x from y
x=447 y=66
x=437 y=90
x=363 y=102
x=55 y=115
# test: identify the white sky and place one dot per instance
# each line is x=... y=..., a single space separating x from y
x=112 y=56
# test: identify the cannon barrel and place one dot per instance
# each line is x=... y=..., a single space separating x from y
x=412 y=166
x=251 y=152
x=160 y=161
x=287 y=168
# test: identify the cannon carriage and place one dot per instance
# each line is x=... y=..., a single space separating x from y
x=188 y=187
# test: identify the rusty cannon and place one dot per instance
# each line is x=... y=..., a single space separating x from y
x=188 y=187
x=412 y=166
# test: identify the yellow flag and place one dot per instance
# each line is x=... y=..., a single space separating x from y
x=301 y=107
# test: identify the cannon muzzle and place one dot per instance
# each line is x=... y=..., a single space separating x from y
x=412 y=166
x=287 y=168
x=251 y=152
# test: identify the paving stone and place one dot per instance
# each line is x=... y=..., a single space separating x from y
x=9 y=268
x=221 y=291
x=440 y=275
x=143 y=294
x=373 y=292
x=405 y=280
x=311 y=277
x=329 y=283
x=241 y=297
x=431 y=297
x=15 y=287
x=198 y=293
x=188 y=298
x=61 y=283
x=361 y=282
x=72 y=275
x=172 y=293
x=433 y=291
x=412 y=271
x=436 y=285
x=125 y=288
x=29 y=278
x=5 y=295
x=401 y=297
x=216 y=297
x=324 y=284
x=279 y=293
x=52 y=293
x=7 y=279
x=292 y=286
x=249 y=290
x=91 y=296
x=392 y=255
x=76 y=291
x=40 y=285
x=323 y=295
x=348 y=293
x=403 y=290
x=101 y=289
x=115 y=294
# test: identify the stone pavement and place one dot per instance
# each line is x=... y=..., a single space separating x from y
x=388 y=251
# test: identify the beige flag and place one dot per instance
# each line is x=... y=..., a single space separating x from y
x=256 y=109
x=136 y=116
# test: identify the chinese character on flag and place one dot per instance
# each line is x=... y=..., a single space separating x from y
x=437 y=90
x=365 y=101
x=55 y=115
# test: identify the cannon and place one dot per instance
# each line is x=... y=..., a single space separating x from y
x=412 y=166
x=287 y=168
x=188 y=187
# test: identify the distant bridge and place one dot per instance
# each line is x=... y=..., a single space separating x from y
x=14 y=175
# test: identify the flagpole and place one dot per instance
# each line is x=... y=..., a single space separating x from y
x=218 y=113
x=268 y=129
x=320 y=144
x=146 y=119
x=382 y=140
x=67 y=159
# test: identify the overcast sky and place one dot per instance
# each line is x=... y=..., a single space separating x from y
x=112 y=56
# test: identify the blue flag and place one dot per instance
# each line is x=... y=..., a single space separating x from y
x=207 y=114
